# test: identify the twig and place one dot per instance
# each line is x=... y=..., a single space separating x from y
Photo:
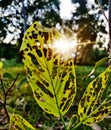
x=4 y=103
x=109 y=45
x=102 y=10
x=9 y=89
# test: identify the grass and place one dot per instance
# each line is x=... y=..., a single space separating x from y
x=34 y=114
x=12 y=67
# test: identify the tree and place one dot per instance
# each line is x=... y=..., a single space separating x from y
x=85 y=23
x=109 y=27
x=90 y=24
x=17 y=15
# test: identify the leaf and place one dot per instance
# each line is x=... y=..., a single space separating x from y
x=19 y=123
x=99 y=63
x=22 y=82
x=1 y=65
x=73 y=121
x=52 y=80
x=91 y=109
x=8 y=76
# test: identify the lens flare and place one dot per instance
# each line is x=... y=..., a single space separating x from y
x=66 y=47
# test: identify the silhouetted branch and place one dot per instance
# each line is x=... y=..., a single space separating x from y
x=102 y=10
x=109 y=46
x=24 y=16
x=5 y=94
x=12 y=85
x=4 y=102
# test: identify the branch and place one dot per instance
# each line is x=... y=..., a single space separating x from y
x=102 y=10
x=109 y=46
x=4 y=103
x=9 y=89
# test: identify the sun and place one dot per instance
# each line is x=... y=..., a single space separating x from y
x=66 y=47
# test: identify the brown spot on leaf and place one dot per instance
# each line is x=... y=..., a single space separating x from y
x=35 y=25
x=46 y=36
x=45 y=51
x=39 y=53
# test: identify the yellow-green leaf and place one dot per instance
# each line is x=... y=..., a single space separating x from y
x=72 y=122
x=89 y=109
x=1 y=66
x=19 y=123
x=52 y=80
x=99 y=63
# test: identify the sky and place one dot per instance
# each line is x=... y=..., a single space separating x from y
x=65 y=12
x=66 y=7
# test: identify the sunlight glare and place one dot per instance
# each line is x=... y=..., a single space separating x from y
x=66 y=47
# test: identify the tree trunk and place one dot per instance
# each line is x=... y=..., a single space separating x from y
x=24 y=16
x=109 y=46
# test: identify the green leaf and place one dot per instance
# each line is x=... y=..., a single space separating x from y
x=52 y=80
x=22 y=82
x=98 y=64
x=8 y=76
x=73 y=121
x=91 y=108
x=1 y=65
x=19 y=123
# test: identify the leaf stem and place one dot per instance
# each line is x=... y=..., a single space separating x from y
x=4 y=102
x=80 y=123
x=9 y=89
x=61 y=117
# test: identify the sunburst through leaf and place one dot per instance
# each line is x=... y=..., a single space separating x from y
x=53 y=81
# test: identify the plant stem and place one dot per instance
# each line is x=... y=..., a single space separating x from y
x=80 y=123
x=61 y=117
x=4 y=103
x=9 y=89
x=77 y=126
